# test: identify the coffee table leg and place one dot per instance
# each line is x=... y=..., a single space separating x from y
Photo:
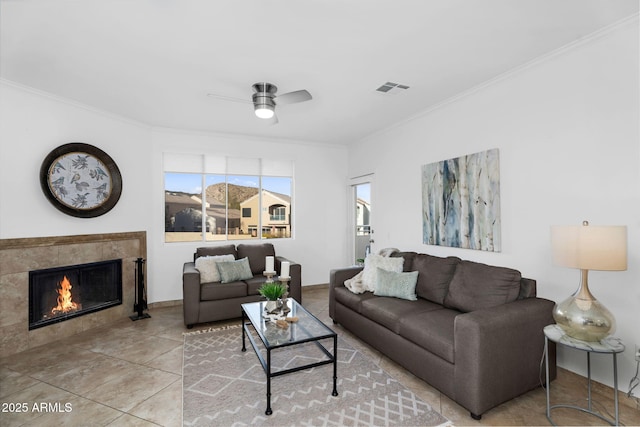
x=335 y=366
x=268 y=411
x=244 y=348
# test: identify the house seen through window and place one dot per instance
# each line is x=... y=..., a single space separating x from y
x=235 y=207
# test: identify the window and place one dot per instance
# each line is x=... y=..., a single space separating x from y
x=236 y=206
x=277 y=213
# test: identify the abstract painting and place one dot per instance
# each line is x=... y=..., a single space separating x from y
x=461 y=202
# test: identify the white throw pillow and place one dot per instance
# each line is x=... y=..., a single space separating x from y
x=372 y=263
x=207 y=266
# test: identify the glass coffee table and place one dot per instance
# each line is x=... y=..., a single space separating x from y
x=307 y=329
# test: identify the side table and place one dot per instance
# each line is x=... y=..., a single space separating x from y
x=609 y=345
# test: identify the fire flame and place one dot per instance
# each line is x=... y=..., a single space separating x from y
x=65 y=303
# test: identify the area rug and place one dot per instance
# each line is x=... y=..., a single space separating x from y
x=223 y=386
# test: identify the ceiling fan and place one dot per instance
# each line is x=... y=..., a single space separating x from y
x=264 y=99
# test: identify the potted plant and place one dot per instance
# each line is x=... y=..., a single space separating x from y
x=272 y=291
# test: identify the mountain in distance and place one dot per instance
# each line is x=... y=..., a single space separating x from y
x=237 y=194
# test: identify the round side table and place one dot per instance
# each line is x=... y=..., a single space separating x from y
x=609 y=345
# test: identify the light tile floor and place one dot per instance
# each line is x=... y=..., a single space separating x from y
x=130 y=374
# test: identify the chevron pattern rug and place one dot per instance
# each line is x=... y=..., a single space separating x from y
x=222 y=386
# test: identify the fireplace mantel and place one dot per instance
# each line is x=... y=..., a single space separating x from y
x=19 y=256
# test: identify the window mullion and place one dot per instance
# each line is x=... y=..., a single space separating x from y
x=260 y=207
x=226 y=206
x=203 y=220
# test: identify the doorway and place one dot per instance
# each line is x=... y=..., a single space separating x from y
x=362 y=218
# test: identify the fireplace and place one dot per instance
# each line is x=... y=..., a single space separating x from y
x=62 y=293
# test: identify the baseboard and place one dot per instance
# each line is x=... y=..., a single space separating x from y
x=160 y=304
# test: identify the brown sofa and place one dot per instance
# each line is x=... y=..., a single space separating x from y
x=474 y=331
x=209 y=302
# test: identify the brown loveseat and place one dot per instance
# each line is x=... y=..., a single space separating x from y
x=211 y=301
x=474 y=331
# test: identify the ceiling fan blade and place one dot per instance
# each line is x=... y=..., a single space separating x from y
x=272 y=121
x=293 y=97
x=229 y=98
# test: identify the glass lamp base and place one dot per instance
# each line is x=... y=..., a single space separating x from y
x=584 y=319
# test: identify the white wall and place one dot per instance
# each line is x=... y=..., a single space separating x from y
x=32 y=124
x=567 y=130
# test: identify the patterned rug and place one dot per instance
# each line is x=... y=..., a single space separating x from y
x=222 y=386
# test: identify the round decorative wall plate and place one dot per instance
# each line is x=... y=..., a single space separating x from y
x=81 y=180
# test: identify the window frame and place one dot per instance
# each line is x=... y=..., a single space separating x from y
x=207 y=221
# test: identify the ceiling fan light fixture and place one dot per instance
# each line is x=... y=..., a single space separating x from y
x=263 y=103
x=264 y=111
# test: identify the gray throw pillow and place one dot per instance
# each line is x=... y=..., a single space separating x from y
x=232 y=271
x=476 y=286
x=397 y=285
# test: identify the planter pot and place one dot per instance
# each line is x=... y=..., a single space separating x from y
x=271 y=306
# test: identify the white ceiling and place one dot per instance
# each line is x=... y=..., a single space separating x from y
x=155 y=60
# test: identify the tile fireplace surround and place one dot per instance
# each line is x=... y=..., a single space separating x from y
x=19 y=256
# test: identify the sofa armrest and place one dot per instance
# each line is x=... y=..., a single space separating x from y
x=295 y=272
x=498 y=352
x=336 y=279
x=190 y=293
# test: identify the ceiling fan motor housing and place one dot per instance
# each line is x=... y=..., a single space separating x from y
x=263 y=99
x=264 y=93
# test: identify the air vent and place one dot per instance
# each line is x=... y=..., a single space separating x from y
x=391 y=88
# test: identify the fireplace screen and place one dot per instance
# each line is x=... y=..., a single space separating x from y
x=62 y=293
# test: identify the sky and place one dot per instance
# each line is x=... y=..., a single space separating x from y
x=364 y=192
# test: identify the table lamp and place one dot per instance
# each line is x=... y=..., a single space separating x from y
x=587 y=248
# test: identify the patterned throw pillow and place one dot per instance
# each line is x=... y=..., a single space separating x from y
x=372 y=263
x=207 y=266
x=232 y=271
x=397 y=285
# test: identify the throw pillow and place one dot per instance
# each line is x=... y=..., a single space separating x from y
x=476 y=286
x=372 y=263
x=397 y=285
x=231 y=271
x=207 y=266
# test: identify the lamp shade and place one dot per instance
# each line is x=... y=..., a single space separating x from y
x=589 y=247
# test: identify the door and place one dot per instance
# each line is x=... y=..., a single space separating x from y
x=361 y=218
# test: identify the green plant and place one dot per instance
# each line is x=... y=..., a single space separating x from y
x=271 y=291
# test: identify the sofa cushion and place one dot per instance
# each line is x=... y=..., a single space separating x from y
x=408 y=259
x=254 y=283
x=371 y=264
x=216 y=250
x=435 y=275
x=220 y=291
x=527 y=288
x=257 y=255
x=208 y=268
x=476 y=286
x=351 y=300
x=231 y=271
x=397 y=285
x=388 y=311
x=431 y=330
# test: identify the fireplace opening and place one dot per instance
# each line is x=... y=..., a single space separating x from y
x=62 y=293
